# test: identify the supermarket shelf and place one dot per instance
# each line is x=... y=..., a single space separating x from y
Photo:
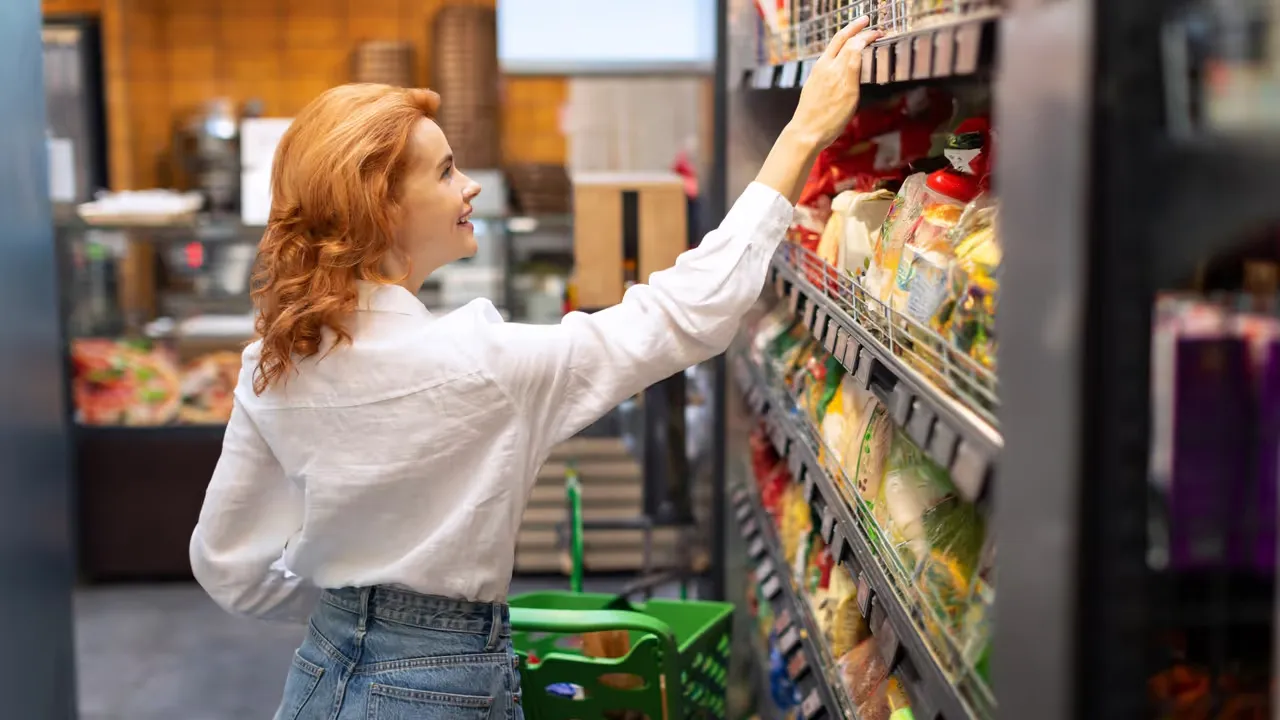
x=933 y=695
x=798 y=635
x=945 y=50
x=954 y=435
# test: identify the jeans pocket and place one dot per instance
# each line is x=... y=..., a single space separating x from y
x=393 y=703
x=299 y=686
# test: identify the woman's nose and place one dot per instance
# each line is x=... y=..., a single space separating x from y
x=472 y=190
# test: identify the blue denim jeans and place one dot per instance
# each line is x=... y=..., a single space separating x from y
x=385 y=654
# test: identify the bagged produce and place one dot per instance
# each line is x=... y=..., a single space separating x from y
x=938 y=536
x=822 y=382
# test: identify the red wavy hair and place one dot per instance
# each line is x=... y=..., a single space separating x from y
x=334 y=193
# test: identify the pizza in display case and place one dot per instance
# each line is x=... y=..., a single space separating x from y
x=140 y=383
x=208 y=387
x=124 y=382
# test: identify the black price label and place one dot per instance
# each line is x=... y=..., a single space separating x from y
x=864 y=595
x=794 y=301
x=828 y=525
x=781 y=622
x=920 y=424
x=744 y=512
x=789 y=640
x=765 y=569
x=854 y=358
x=969 y=471
x=884 y=64
x=812 y=707
x=806 y=69
x=829 y=340
x=922 y=57
x=740 y=496
x=789 y=75
x=763 y=78
x=810 y=486
x=798 y=666
x=772 y=587
x=757 y=548
x=900 y=407
x=942 y=447
x=868 y=65
x=968 y=47
x=866 y=363
x=902 y=60
x=887 y=642
x=820 y=324
x=810 y=315
x=944 y=51
x=749 y=528
x=841 y=347
x=796 y=465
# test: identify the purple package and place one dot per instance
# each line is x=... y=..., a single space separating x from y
x=1211 y=448
x=1256 y=544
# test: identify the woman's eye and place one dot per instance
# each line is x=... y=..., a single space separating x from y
x=448 y=172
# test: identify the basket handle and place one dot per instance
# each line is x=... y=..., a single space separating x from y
x=584 y=621
x=573 y=489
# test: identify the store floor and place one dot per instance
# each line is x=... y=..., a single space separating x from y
x=166 y=652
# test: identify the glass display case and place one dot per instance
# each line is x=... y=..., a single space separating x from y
x=155 y=319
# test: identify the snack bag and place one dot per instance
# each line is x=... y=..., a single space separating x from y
x=862 y=670
x=937 y=534
x=822 y=384
x=848 y=627
x=873 y=449
x=845 y=415
x=899 y=224
x=797 y=522
x=975 y=284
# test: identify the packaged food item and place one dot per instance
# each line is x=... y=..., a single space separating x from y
x=974 y=289
x=976 y=626
x=797 y=522
x=822 y=382
x=899 y=224
x=896 y=698
x=861 y=223
x=937 y=534
x=845 y=415
x=848 y=627
x=862 y=670
x=874 y=445
x=876 y=707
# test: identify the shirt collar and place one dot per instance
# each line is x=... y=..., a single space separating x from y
x=382 y=297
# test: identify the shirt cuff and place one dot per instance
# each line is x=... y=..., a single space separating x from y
x=762 y=214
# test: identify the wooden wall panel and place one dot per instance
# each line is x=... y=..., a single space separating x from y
x=164 y=58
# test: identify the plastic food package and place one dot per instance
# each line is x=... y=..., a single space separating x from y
x=844 y=417
x=937 y=535
x=896 y=697
x=899 y=224
x=920 y=282
x=848 y=627
x=974 y=288
x=862 y=670
x=876 y=707
x=875 y=442
x=822 y=383
x=796 y=522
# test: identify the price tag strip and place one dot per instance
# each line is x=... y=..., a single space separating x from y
x=902 y=60
x=922 y=58
x=868 y=65
x=968 y=47
x=789 y=640
x=771 y=587
x=798 y=666
x=810 y=314
x=920 y=424
x=757 y=549
x=884 y=64
x=789 y=76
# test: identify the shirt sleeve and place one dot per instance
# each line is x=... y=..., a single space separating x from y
x=250 y=512
x=566 y=376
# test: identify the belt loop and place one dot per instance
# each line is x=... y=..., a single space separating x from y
x=366 y=594
x=495 y=627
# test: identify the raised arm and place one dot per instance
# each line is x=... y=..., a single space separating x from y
x=566 y=376
x=250 y=512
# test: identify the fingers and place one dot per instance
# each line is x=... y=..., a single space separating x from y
x=859 y=42
x=841 y=38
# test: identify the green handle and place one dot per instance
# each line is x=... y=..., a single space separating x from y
x=584 y=621
x=574 y=490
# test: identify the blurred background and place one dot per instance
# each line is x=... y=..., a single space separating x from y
x=1025 y=326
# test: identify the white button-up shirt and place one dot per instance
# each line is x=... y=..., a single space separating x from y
x=406 y=458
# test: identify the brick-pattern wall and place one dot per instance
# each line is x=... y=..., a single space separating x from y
x=164 y=57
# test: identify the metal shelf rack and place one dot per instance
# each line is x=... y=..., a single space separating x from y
x=953 y=420
x=922 y=41
x=897 y=627
x=809 y=664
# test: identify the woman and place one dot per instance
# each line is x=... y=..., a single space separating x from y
x=378 y=458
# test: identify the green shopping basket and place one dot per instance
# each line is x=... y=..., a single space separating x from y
x=679 y=649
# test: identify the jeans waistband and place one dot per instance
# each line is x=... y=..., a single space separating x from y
x=425 y=611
